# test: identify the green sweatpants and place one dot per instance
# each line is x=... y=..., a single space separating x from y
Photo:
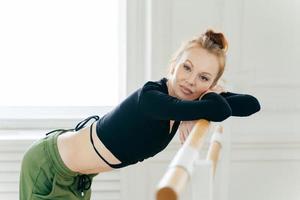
x=45 y=176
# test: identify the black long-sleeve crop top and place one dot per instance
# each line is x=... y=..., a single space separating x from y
x=138 y=128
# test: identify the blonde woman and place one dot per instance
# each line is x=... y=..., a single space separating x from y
x=63 y=164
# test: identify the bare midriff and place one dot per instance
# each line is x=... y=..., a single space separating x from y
x=78 y=154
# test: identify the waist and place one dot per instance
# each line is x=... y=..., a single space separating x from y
x=78 y=154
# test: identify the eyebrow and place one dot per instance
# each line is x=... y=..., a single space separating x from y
x=193 y=67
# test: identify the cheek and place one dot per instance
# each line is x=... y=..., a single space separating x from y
x=202 y=89
x=181 y=71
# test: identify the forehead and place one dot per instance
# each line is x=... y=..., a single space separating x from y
x=202 y=60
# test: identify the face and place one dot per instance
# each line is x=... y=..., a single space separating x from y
x=193 y=74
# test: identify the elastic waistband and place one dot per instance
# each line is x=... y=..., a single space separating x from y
x=52 y=150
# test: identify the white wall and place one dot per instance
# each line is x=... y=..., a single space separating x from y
x=263 y=61
x=265 y=148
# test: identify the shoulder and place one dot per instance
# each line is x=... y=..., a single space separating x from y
x=159 y=85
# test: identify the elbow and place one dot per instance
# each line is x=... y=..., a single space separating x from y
x=226 y=112
x=256 y=105
x=252 y=107
x=223 y=113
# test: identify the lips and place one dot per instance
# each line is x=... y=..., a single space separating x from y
x=186 y=90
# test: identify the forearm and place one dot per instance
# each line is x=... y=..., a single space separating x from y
x=212 y=107
x=241 y=104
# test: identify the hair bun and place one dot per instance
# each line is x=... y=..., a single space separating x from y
x=217 y=38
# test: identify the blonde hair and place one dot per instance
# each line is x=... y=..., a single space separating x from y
x=211 y=41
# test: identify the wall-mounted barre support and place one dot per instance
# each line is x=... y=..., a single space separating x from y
x=181 y=167
x=215 y=147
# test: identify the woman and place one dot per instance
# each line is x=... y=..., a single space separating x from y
x=62 y=165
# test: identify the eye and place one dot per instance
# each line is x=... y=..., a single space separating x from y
x=203 y=78
x=186 y=67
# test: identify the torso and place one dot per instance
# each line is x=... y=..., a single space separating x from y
x=79 y=155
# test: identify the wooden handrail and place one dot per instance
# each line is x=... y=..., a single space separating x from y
x=214 y=149
x=176 y=177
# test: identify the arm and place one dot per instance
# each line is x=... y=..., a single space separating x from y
x=241 y=104
x=161 y=106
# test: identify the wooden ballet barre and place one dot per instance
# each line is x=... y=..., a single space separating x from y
x=215 y=147
x=180 y=169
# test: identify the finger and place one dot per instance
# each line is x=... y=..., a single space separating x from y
x=186 y=135
x=181 y=137
x=190 y=128
x=221 y=89
x=191 y=124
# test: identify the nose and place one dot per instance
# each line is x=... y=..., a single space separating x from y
x=191 y=80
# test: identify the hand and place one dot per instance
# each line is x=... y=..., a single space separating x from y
x=185 y=128
x=216 y=89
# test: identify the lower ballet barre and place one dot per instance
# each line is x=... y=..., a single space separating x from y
x=182 y=166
